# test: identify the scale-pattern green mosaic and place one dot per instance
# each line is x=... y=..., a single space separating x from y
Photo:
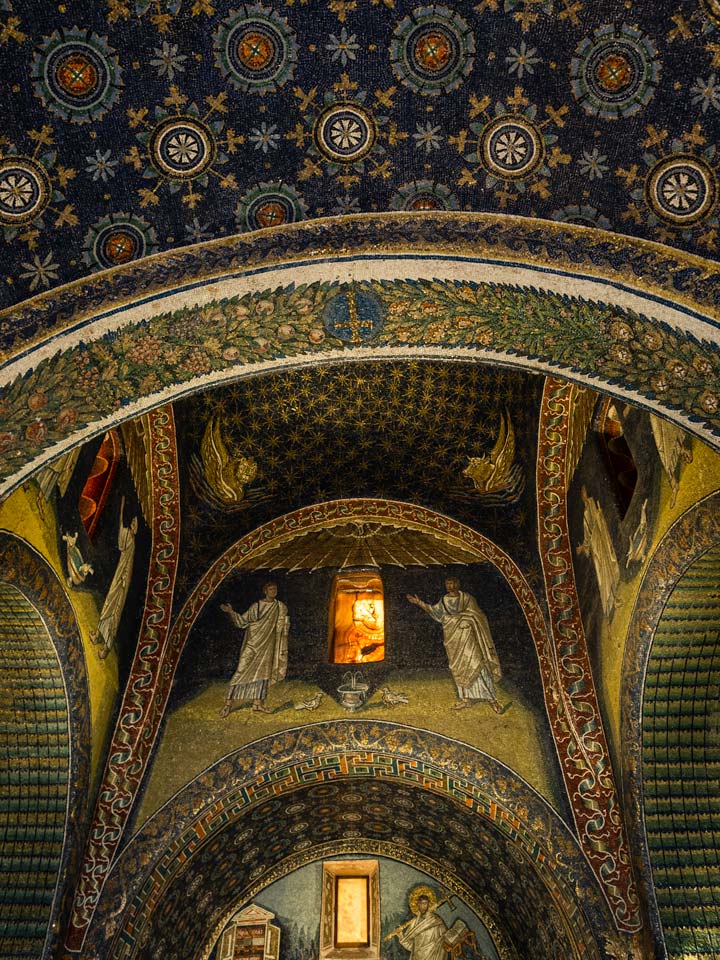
x=34 y=764
x=681 y=762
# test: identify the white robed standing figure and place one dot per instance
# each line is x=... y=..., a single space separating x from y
x=472 y=656
x=424 y=934
x=264 y=653
x=598 y=546
x=114 y=604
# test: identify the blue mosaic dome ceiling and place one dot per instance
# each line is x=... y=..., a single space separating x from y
x=135 y=126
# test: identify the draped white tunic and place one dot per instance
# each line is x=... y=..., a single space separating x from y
x=472 y=656
x=264 y=654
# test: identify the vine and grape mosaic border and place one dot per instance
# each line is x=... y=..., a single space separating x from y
x=172 y=353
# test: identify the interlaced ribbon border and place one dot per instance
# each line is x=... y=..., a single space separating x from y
x=579 y=734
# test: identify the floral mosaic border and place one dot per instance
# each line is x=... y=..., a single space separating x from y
x=580 y=741
x=683 y=278
x=145 y=693
x=192 y=347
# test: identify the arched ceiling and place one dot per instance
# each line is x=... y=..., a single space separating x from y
x=395 y=431
x=357 y=815
x=258 y=813
x=441 y=140
x=132 y=127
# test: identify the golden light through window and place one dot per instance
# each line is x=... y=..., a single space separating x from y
x=357 y=617
x=352 y=912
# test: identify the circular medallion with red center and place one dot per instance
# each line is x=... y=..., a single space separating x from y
x=118 y=239
x=120 y=246
x=425 y=203
x=77 y=75
x=432 y=50
x=269 y=205
x=271 y=213
x=423 y=195
x=255 y=49
x=615 y=72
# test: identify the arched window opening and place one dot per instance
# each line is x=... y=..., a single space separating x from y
x=357 y=617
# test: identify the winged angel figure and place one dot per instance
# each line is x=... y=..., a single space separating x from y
x=498 y=473
x=219 y=474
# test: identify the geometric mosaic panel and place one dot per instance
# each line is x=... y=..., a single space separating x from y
x=681 y=762
x=34 y=775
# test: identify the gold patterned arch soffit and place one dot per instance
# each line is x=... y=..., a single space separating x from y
x=281 y=765
x=636 y=319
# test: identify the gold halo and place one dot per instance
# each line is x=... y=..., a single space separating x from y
x=422 y=891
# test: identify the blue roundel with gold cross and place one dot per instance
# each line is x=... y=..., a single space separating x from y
x=354 y=315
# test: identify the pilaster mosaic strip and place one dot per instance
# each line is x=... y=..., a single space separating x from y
x=140 y=712
x=580 y=739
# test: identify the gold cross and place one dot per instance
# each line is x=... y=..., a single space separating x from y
x=354 y=323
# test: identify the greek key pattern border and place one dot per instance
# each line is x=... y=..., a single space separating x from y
x=325 y=752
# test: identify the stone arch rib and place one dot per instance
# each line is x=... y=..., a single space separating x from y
x=632 y=318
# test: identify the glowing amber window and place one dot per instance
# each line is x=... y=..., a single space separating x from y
x=357 y=617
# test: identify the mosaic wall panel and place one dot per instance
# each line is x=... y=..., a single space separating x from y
x=681 y=762
x=52 y=796
x=34 y=773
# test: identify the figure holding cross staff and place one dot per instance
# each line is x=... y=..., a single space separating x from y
x=424 y=933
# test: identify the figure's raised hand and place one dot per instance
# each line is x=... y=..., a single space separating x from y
x=414 y=599
x=226 y=607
